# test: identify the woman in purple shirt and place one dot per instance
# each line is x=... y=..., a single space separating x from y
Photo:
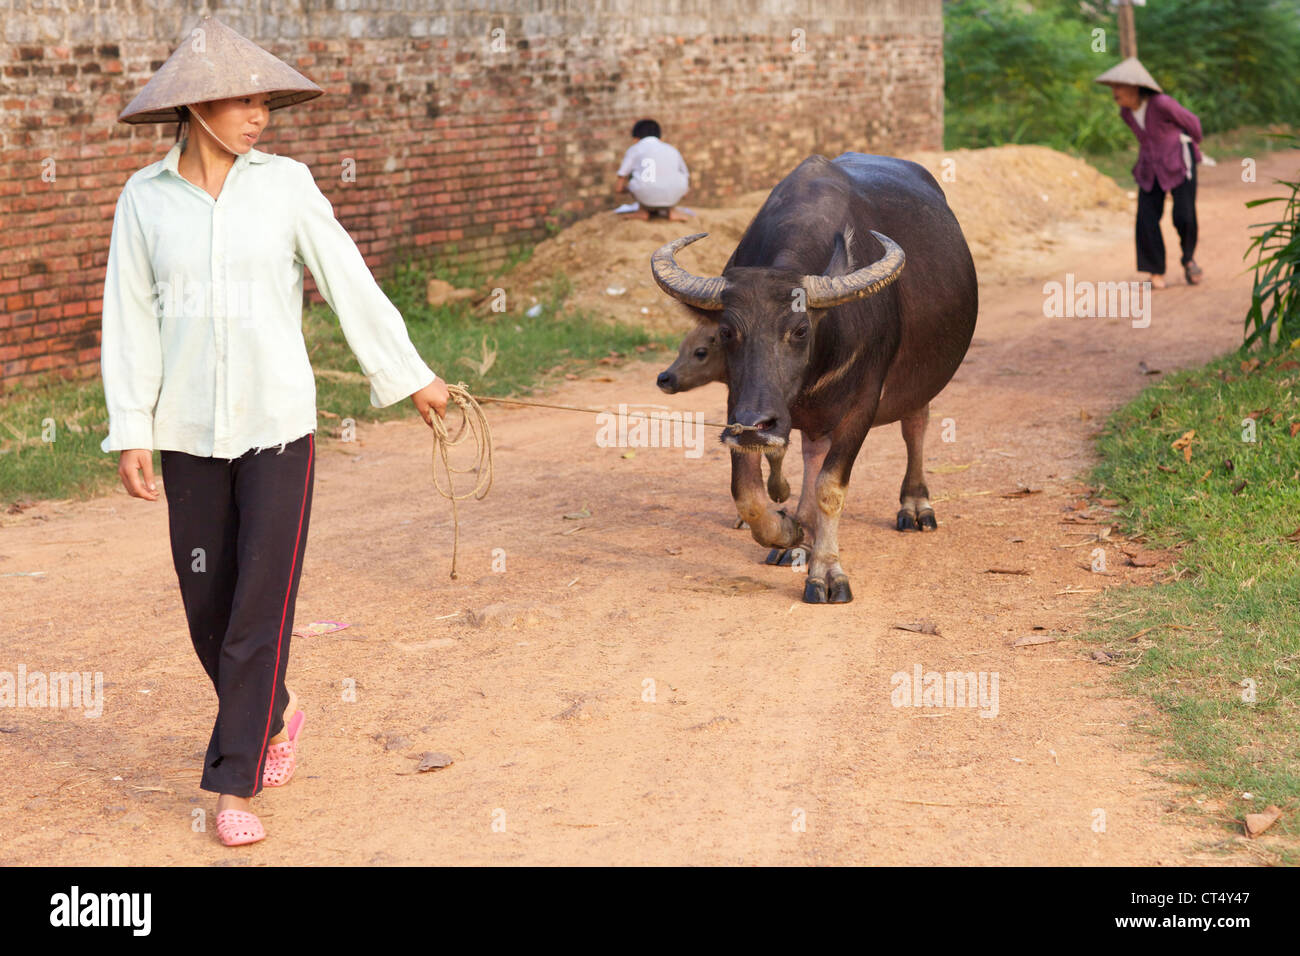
x=1168 y=137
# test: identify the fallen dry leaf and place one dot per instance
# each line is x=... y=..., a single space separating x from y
x=1184 y=445
x=1023 y=492
x=1033 y=639
x=1257 y=823
x=920 y=627
x=1141 y=559
x=1142 y=367
x=1005 y=571
x=430 y=760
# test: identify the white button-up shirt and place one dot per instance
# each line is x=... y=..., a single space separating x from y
x=202 y=348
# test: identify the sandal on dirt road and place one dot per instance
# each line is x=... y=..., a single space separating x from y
x=239 y=827
x=1193 y=273
x=282 y=758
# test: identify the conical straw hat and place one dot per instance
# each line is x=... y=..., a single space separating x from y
x=1130 y=71
x=216 y=63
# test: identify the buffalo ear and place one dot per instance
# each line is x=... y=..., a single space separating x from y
x=841 y=263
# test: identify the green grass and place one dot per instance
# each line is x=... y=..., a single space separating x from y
x=1228 y=611
x=530 y=352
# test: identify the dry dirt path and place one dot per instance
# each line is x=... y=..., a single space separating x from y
x=765 y=712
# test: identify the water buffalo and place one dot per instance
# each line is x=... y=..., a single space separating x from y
x=816 y=340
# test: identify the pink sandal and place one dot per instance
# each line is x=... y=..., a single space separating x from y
x=282 y=758
x=238 y=827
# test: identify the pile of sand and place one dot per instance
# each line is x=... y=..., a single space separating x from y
x=1012 y=201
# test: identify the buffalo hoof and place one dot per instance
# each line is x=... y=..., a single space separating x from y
x=740 y=523
x=921 y=520
x=814 y=591
x=841 y=593
x=788 y=557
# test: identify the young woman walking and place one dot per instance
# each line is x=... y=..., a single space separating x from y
x=203 y=359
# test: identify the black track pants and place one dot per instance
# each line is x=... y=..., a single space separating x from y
x=1151 y=207
x=238 y=533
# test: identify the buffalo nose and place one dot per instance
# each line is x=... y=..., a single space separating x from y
x=668 y=382
x=762 y=421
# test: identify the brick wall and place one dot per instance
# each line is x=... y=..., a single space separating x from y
x=469 y=130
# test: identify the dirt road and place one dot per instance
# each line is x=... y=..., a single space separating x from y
x=651 y=693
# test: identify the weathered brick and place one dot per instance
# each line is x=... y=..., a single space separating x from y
x=455 y=145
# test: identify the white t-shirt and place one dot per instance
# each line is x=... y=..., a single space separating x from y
x=658 y=176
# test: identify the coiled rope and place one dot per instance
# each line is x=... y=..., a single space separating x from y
x=474 y=424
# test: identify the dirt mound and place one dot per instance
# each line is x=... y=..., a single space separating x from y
x=1010 y=200
x=1013 y=200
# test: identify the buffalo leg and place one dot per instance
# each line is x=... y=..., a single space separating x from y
x=774 y=529
x=778 y=489
x=814 y=455
x=916 y=514
x=827 y=582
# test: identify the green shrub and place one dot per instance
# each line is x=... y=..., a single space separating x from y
x=1275 y=299
x=1022 y=72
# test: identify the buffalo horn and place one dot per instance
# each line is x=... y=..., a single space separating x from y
x=825 y=292
x=681 y=285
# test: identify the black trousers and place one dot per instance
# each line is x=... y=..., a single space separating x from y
x=1151 y=207
x=238 y=533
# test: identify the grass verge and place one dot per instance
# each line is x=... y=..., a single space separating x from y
x=50 y=434
x=1216 y=645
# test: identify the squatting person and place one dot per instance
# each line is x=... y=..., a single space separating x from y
x=654 y=173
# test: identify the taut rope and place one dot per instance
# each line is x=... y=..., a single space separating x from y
x=474 y=424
